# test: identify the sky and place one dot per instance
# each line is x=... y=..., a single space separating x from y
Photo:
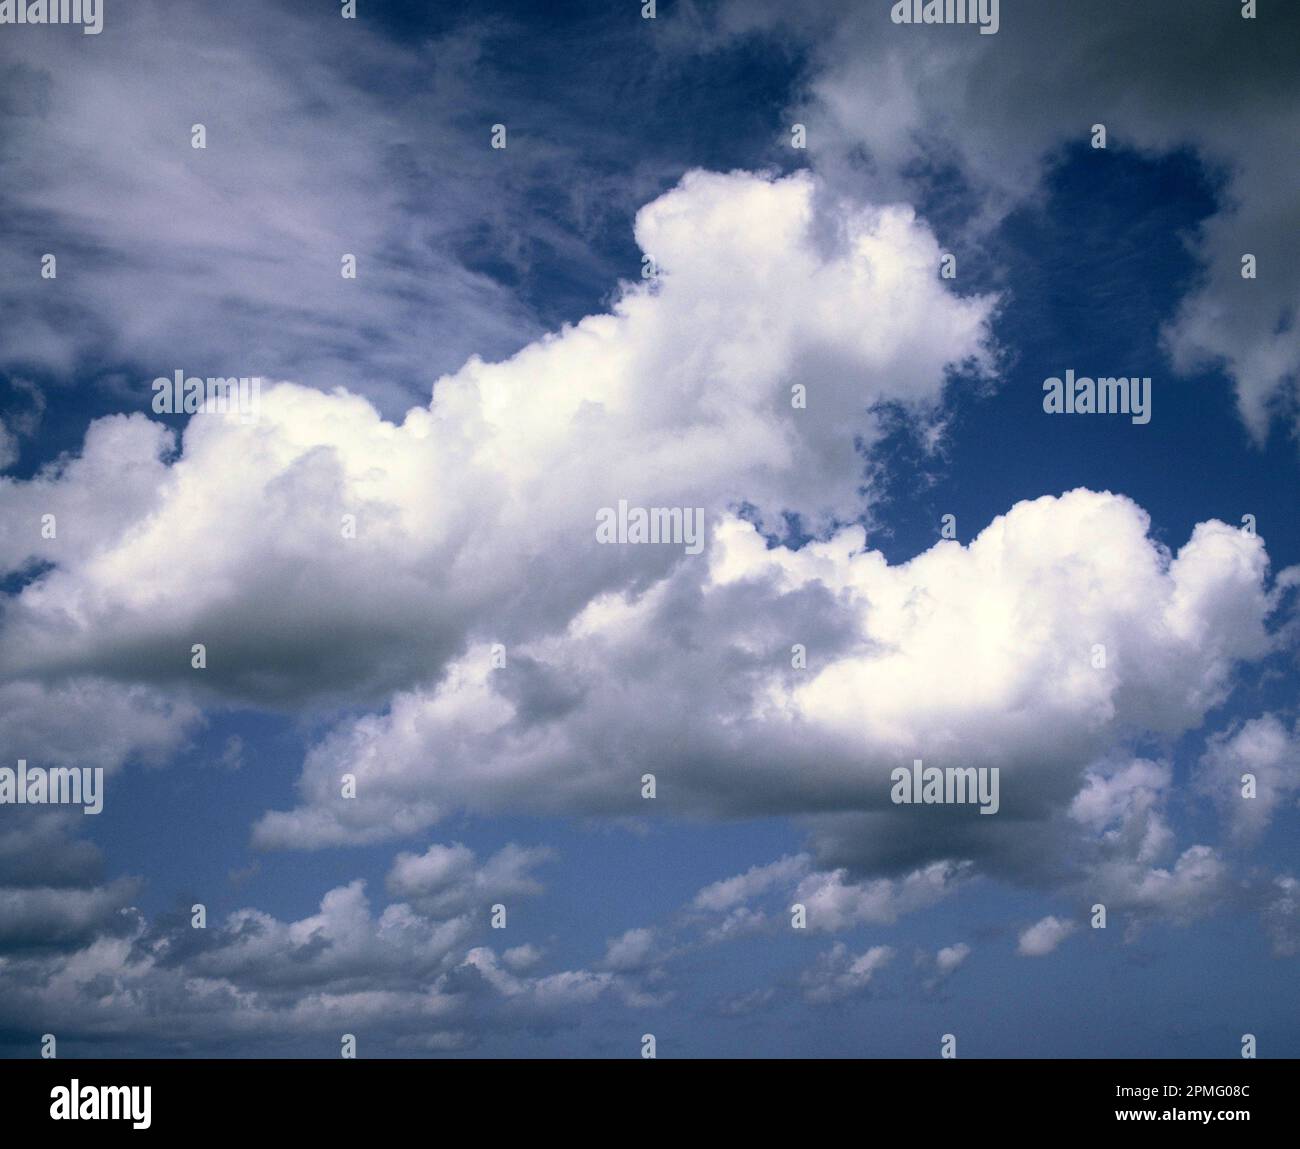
x=396 y=744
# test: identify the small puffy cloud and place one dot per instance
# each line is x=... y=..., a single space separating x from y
x=742 y=921
x=950 y=957
x=632 y=950
x=1264 y=747
x=839 y=973
x=834 y=903
x=1124 y=808
x=528 y=998
x=832 y=900
x=937 y=968
x=1044 y=936
x=1129 y=848
x=730 y=892
x=448 y=880
x=1195 y=885
x=521 y=958
x=344 y=943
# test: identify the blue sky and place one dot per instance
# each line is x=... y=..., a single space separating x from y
x=478 y=270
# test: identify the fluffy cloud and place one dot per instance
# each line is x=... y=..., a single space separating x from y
x=448 y=879
x=839 y=973
x=475 y=519
x=340 y=948
x=1129 y=847
x=91 y=723
x=728 y=893
x=977 y=655
x=399 y=978
x=252 y=977
x=1044 y=936
x=475 y=514
x=1264 y=747
x=760 y=899
x=47 y=916
x=836 y=904
x=1196 y=884
x=635 y=949
x=537 y=997
x=1124 y=808
x=948 y=959
x=520 y=958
